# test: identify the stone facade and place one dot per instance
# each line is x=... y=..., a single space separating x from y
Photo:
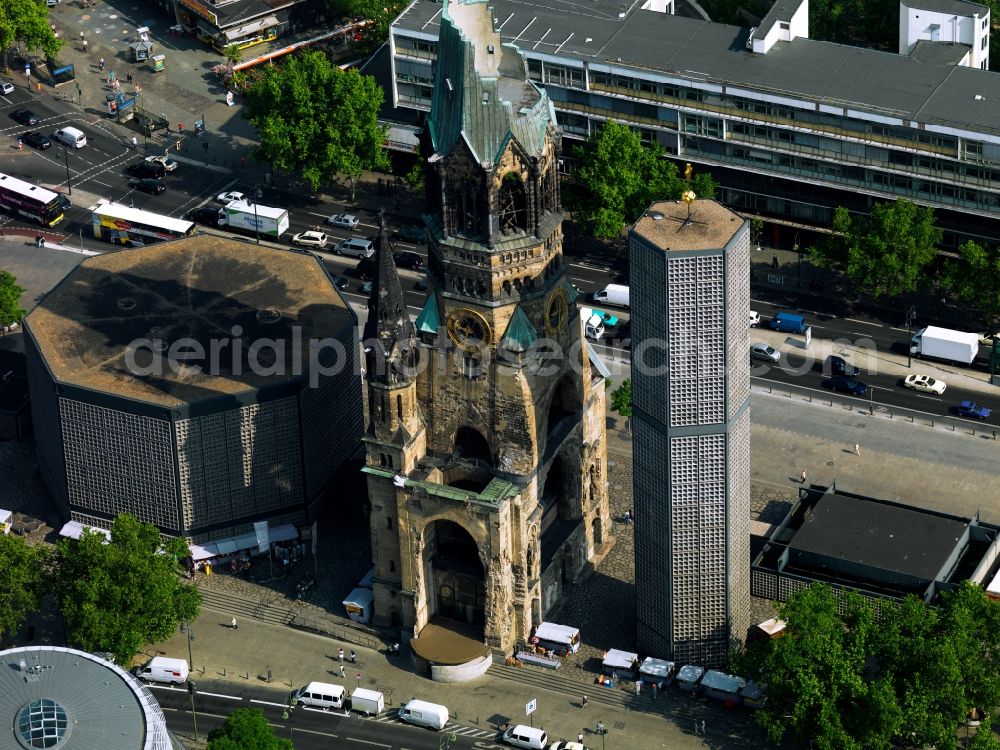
x=487 y=462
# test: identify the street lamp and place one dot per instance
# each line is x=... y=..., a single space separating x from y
x=798 y=250
x=257 y=194
x=911 y=316
x=287 y=713
x=192 y=690
x=69 y=187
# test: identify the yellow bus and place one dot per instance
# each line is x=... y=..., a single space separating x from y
x=133 y=227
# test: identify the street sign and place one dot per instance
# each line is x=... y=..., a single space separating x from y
x=530 y=706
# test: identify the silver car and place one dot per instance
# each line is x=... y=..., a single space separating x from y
x=764 y=353
x=348 y=221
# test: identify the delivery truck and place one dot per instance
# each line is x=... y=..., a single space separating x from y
x=269 y=221
x=944 y=344
x=613 y=294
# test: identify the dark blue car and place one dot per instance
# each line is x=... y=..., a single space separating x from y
x=847 y=385
x=974 y=410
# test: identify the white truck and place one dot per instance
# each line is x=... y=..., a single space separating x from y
x=269 y=221
x=942 y=343
x=593 y=326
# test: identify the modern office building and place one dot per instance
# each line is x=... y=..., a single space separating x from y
x=789 y=126
x=690 y=306
x=60 y=698
x=180 y=383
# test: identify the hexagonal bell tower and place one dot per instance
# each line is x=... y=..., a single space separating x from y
x=509 y=502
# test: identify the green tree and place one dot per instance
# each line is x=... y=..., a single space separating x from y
x=10 y=300
x=120 y=594
x=416 y=177
x=246 y=729
x=621 y=398
x=233 y=53
x=984 y=739
x=378 y=15
x=23 y=572
x=885 y=254
x=862 y=23
x=974 y=277
x=617 y=179
x=27 y=22
x=316 y=119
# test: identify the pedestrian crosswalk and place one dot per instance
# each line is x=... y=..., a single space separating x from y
x=390 y=716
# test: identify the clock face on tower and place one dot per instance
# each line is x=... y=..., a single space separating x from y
x=556 y=310
x=468 y=329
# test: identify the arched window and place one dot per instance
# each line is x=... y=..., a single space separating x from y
x=512 y=205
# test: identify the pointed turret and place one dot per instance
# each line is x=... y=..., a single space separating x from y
x=389 y=336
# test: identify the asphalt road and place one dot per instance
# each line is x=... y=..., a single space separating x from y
x=313 y=728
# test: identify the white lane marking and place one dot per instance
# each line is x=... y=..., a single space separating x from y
x=222 y=695
x=863 y=322
x=267 y=703
x=902 y=330
x=367 y=742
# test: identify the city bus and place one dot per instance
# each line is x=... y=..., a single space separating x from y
x=30 y=201
x=133 y=227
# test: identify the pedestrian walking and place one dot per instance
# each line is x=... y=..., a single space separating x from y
x=342 y=671
x=583 y=703
x=100 y=65
x=354 y=657
x=84 y=45
x=135 y=146
x=857 y=449
x=655 y=688
x=802 y=477
x=340 y=654
x=600 y=728
x=638 y=687
x=20 y=143
x=38 y=240
x=41 y=241
x=233 y=625
x=81 y=35
x=703 y=726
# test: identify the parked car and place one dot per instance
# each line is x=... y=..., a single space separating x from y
x=564 y=745
x=24 y=116
x=407 y=259
x=421 y=286
x=311 y=238
x=366 y=269
x=367 y=286
x=37 y=140
x=146 y=169
x=924 y=384
x=347 y=221
x=6 y=87
x=148 y=185
x=168 y=164
x=764 y=353
x=230 y=196
x=204 y=215
x=844 y=384
x=835 y=365
x=413 y=234
x=341 y=283
x=974 y=410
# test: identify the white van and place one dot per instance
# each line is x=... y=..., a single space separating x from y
x=322 y=695
x=356 y=247
x=162 y=669
x=613 y=294
x=72 y=137
x=424 y=714
x=529 y=738
x=367 y=702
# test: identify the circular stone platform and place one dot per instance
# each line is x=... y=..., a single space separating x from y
x=448 y=651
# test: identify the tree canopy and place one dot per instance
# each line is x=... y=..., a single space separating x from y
x=974 y=278
x=119 y=595
x=377 y=13
x=23 y=572
x=621 y=398
x=617 y=178
x=316 y=119
x=887 y=253
x=27 y=22
x=856 y=677
x=10 y=299
x=246 y=729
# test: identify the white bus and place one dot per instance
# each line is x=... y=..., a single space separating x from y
x=30 y=201
x=134 y=227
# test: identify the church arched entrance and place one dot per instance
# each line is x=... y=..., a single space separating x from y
x=458 y=582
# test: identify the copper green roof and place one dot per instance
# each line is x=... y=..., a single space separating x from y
x=482 y=94
x=571 y=291
x=429 y=320
x=493 y=495
x=520 y=333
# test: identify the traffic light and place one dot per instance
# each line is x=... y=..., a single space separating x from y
x=192 y=688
